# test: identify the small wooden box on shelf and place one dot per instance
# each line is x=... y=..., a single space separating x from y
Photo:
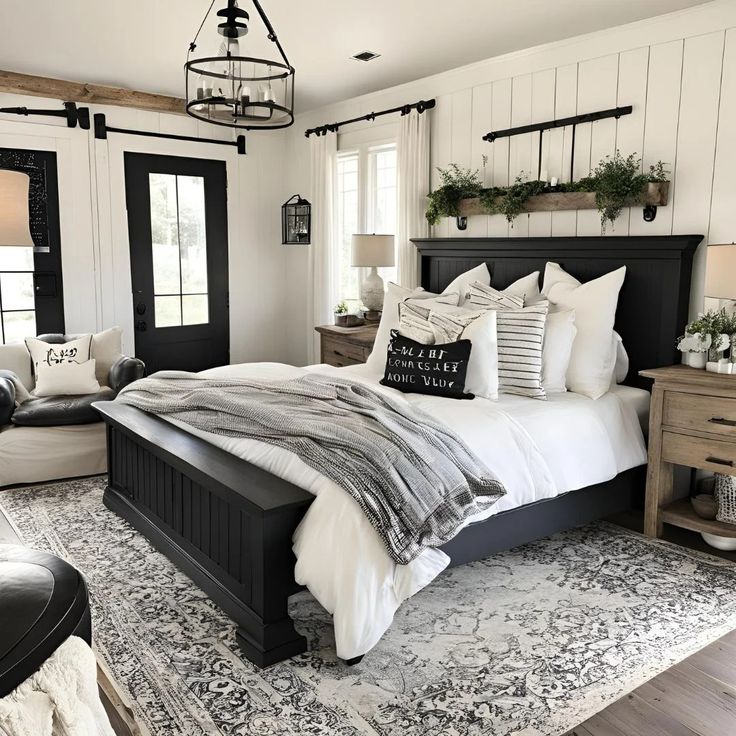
x=342 y=346
x=692 y=422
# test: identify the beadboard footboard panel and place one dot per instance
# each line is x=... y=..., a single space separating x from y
x=224 y=522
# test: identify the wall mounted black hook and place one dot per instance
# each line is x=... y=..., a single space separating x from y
x=462 y=222
x=649 y=213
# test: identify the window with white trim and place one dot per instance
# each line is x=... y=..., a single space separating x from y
x=366 y=203
x=17 y=304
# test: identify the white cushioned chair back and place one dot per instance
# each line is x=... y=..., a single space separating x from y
x=15 y=357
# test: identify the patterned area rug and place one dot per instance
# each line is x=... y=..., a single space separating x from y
x=532 y=641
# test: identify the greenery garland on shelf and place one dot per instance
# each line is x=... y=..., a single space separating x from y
x=615 y=181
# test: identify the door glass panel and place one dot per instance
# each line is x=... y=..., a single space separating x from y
x=164 y=234
x=19 y=325
x=17 y=290
x=179 y=249
x=17 y=315
x=193 y=239
x=195 y=309
x=168 y=311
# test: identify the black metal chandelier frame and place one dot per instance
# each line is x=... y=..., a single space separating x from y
x=200 y=107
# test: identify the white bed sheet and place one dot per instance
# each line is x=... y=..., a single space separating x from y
x=537 y=449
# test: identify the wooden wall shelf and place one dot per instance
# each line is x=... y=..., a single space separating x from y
x=655 y=194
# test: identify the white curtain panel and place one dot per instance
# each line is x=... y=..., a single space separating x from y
x=413 y=185
x=321 y=277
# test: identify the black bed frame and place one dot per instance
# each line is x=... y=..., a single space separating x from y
x=229 y=524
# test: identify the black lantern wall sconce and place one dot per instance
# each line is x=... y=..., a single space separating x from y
x=296 y=221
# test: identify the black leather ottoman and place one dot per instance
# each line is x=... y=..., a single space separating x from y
x=43 y=601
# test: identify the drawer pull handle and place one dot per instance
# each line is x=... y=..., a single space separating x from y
x=723 y=422
x=719 y=461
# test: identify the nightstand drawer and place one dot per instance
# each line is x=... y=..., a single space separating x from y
x=712 y=414
x=717 y=456
x=341 y=353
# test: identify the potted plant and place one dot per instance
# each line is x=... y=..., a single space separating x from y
x=344 y=319
x=707 y=338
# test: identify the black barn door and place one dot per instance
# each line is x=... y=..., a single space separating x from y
x=177 y=224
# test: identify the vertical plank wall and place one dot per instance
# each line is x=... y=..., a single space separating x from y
x=684 y=98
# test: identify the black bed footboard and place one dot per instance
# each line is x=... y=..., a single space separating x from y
x=224 y=522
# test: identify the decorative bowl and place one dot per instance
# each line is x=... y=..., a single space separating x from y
x=705 y=505
x=727 y=544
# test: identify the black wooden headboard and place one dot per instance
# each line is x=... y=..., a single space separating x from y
x=654 y=300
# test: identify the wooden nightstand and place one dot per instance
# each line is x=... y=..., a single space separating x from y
x=343 y=346
x=692 y=422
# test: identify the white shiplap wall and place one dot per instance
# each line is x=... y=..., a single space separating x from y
x=679 y=73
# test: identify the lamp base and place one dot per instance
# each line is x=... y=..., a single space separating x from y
x=371 y=291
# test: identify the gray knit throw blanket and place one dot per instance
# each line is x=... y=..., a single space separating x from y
x=412 y=477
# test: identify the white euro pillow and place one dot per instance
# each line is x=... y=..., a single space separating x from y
x=396 y=294
x=461 y=284
x=526 y=287
x=559 y=336
x=594 y=303
x=66 y=379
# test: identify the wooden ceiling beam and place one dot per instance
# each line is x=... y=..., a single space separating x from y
x=91 y=94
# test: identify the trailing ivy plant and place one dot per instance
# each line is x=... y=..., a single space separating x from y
x=615 y=181
x=456 y=184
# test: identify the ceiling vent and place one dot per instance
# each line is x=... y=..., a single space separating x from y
x=365 y=56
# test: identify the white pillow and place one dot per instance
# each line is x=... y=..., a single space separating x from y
x=396 y=294
x=620 y=359
x=449 y=325
x=526 y=287
x=107 y=349
x=73 y=351
x=594 y=302
x=461 y=284
x=559 y=335
x=66 y=379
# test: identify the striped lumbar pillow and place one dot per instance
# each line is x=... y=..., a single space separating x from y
x=486 y=297
x=520 y=339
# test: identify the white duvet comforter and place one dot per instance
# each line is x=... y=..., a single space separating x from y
x=537 y=449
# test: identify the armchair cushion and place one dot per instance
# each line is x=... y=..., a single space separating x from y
x=15 y=357
x=125 y=371
x=56 y=411
x=7 y=400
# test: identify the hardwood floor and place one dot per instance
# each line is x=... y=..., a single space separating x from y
x=694 y=698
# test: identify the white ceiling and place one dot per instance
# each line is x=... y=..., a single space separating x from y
x=142 y=44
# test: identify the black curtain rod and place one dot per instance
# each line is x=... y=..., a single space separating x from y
x=614 y=112
x=420 y=107
x=74 y=115
x=102 y=129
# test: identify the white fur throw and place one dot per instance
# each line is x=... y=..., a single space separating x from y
x=61 y=699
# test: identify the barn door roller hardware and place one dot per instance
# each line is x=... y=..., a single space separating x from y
x=574 y=120
x=74 y=115
x=102 y=129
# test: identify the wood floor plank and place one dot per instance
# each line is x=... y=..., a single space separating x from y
x=717 y=660
x=634 y=717
x=597 y=726
x=705 y=711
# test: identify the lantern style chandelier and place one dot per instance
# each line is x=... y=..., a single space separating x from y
x=236 y=91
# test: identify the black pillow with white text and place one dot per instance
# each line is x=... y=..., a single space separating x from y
x=436 y=370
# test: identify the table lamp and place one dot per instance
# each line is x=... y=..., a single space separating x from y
x=720 y=274
x=14 y=217
x=371 y=251
x=720 y=283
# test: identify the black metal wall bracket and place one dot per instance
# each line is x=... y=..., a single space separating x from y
x=102 y=129
x=649 y=213
x=74 y=115
x=461 y=222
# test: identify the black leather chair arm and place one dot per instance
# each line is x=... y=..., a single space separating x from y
x=125 y=371
x=7 y=400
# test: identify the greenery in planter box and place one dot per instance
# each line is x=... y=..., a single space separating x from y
x=714 y=324
x=615 y=180
x=341 y=308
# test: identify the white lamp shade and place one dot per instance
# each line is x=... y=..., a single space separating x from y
x=14 y=217
x=373 y=250
x=720 y=272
